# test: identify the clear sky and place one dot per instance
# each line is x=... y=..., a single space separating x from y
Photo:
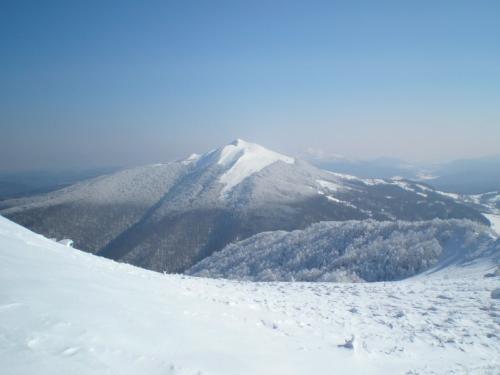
x=87 y=83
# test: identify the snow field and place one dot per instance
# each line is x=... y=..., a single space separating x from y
x=65 y=311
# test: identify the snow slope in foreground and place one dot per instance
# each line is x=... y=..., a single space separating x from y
x=65 y=311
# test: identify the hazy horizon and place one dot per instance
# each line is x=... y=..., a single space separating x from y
x=121 y=84
x=308 y=155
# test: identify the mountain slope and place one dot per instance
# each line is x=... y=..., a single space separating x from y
x=26 y=183
x=94 y=212
x=352 y=251
x=65 y=311
x=168 y=217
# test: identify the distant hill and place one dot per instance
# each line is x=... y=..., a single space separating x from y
x=22 y=184
x=467 y=176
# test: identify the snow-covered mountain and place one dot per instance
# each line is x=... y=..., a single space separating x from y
x=365 y=250
x=63 y=311
x=167 y=217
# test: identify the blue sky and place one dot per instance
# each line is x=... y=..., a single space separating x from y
x=86 y=83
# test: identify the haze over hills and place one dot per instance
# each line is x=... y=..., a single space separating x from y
x=466 y=176
x=167 y=217
x=469 y=176
x=383 y=167
x=25 y=183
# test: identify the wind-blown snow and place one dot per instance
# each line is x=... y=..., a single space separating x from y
x=63 y=311
x=245 y=159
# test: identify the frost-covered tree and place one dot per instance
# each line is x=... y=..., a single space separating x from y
x=349 y=251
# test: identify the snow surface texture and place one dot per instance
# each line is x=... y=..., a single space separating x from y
x=351 y=251
x=63 y=311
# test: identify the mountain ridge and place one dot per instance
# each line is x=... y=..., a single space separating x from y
x=168 y=216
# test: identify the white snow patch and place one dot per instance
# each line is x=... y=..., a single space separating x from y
x=374 y=181
x=449 y=195
x=423 y=187
x=333 y=199
x=344 y=176
x=495 y=222
x=408 y=187
x=402 y=184
x=336 y=200
x=190 y=159
x=487 y=200
x=332 y=186
x=366 y=181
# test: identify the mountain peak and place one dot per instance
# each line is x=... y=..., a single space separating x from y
x=238 y=142
x=244 y=159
